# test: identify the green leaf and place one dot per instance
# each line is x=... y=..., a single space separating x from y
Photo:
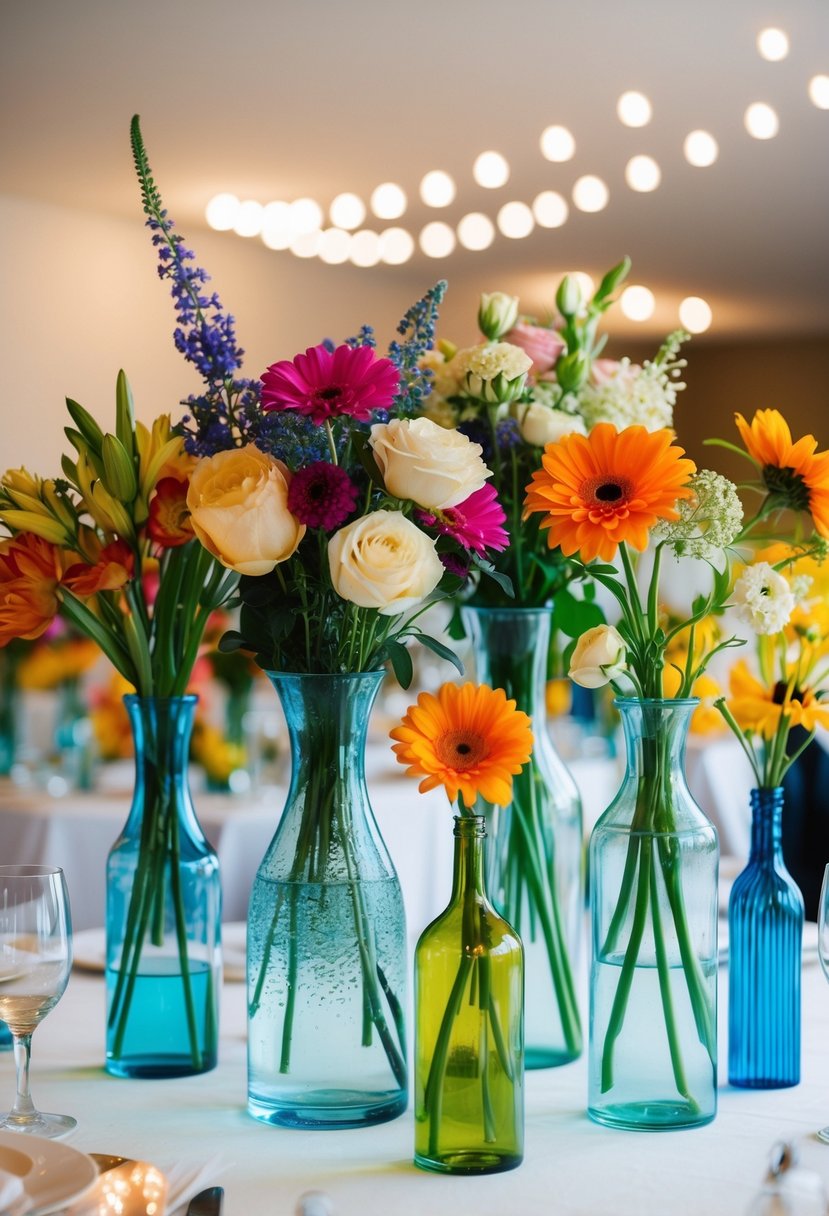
x=86 y=424
x=401 y=662
x=443 y=652
x=70 y=469
x=119 y=470
x=366 y=459
x=230 y=642
x=573 y=616
x=502 y=580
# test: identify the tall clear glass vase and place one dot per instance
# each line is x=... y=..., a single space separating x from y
x=653 y=865
x=326 y=928
x=765 y=934
x=164 y=907
x=535 y=863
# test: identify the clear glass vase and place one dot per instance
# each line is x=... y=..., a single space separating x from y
x=326 y=928
x=653 y=865
x=535 y=864
x=469 y=1040
x=765 y=935
x=164 y=908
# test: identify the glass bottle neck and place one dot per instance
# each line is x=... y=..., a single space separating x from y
x=511 y=646
x=468 y=871
x=766 y=824
x=161 y=729
x=655 y=736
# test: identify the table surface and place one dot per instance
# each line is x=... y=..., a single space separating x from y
x=572 y=1167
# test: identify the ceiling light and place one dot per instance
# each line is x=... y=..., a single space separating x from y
x=701 y=149
x=634 y=109
x=695 y=314
x=557 y=144
x=642 y=173
x=550 y=209
x=437 y=189
x=306 y=216
x=516 y=220
x=476 y=231
x=819 y=92
x=388 y=201
x=396 y=246
x=347 y=211
x=761 y=121
x=437 y=240
x=221 y=211
x=334 y=246
x=637 y=303
x=306 y=244
x=590 y=193
x=490 y=170
x=365 y=248
x=773 y=44
x=277 y=226
x=249 y=218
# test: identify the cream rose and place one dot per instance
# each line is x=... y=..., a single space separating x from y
x=238 y=502
x=383 y=561
x=540 y=425
x=599 y=657
x=424 y=462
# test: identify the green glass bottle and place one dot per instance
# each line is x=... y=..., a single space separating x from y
x=469 y=1027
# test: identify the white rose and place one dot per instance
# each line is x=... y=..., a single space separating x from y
x=383 y=561
x=424 y=462
x=541 y=425
x=599 y=657
x=238 y=502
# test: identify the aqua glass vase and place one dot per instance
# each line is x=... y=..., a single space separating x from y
x=164 y=907
x=326 y=928
x=765 y=935
x=10 y=707
x=653 y=863
x=535 y=864
x=6 y=1040
x=469 y=1033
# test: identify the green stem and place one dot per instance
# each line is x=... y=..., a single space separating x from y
x=623 y=988
x=663 y=970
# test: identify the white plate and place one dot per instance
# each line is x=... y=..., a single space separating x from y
x=809 y=955
x=89 y=950
x=53 y=1174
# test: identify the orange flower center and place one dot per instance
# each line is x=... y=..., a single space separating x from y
x=605 y=493
x=461 y=750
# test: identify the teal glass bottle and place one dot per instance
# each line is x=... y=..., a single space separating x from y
x=164 y=908
x=326 y=928
x=765 y=935
x=469 y=1027
x=6 y=1040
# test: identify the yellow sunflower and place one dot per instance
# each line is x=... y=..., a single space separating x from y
x=758 y=707
x=795 y=474
x=469 y=739
x=610 y=486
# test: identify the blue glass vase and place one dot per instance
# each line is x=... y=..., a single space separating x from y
x=326 y=929
x=536 y=860
x=653 y=865
x=6 y=1040
x=765 y=935
x=164 y=906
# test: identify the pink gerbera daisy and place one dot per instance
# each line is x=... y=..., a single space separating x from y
x=476 y=523
x=324 y=384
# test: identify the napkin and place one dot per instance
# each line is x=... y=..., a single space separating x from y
x=13 y=1199
x=186 y=1178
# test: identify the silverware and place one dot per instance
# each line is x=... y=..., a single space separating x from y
x=207 y=1203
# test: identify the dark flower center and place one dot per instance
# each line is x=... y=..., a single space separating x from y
x=788 y=486
x=609 y=492
x=779 y=694
x=331 y=393
x=606 y=494
x=463 y=749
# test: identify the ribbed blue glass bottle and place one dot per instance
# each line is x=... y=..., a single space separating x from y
x=765 y=925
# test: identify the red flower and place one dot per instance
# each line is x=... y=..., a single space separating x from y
x=476 y=523
x=30 y=569
x=323 y=384
x=115 y=567
x=169 y=521
x=322 y=495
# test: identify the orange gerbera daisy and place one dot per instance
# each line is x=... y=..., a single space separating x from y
x=758 y=707
x=607 y=487
x=794 y=473
x=469 y=739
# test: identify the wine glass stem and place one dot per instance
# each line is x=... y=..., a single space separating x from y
x=23 y=1104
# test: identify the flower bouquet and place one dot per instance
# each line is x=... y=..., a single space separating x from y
x=653 y=855
x=469 y=981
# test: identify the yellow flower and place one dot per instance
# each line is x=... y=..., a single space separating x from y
x=757 y=707
x=793 y=472
x=50 y=663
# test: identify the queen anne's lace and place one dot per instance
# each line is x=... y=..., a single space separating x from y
x=708 y=522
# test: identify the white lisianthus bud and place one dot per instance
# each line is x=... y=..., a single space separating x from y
x=497 y=313
x=568 y=296
x=540 y=425
x=763 y=599
x=599 y=657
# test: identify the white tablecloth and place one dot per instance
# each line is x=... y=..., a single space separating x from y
x=572 y=1167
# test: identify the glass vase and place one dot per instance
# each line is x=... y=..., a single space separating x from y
x=653 y=864
x=765 y=934
x=535 y=864
x=163 y=910
x=10 y=708
x=469 y=1034
x=6 y=1040
x=326 y=928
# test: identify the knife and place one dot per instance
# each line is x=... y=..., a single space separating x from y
x=207 y=1203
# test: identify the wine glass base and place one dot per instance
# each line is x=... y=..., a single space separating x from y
x=823 y=1135
x=52 y=1127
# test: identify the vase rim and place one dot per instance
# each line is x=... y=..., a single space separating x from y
x=488 y=610
x=186 y=698
x=679 y=702
x=324 y=675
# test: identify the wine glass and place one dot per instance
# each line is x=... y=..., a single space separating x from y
x=35 y=960
x=823 y=953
